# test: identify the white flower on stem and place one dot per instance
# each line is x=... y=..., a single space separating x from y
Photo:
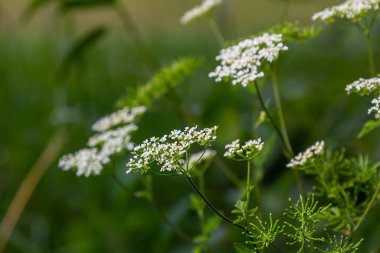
x=242 y=62
x=364 y=86
x=376 y=107
x=169 y=151
x=105 y=143
x=308 y=156
x=199 y=11
x=122 y=116
x=86 y=161
x=246 y=152
x=351 y=10
x=113 y=141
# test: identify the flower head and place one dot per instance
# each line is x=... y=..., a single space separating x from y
x=122 y=116
x=376 y=107
x=351 y=10
x=242 y=62
x=87 y=162
x=364 y=86
x=246 y=152
x=198 y=11
x=169 y=151
x=308 y=156
x=113 y=136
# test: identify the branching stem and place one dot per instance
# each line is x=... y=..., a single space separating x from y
x=372 y=201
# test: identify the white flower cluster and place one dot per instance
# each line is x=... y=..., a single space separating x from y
x=246 y=152
x=106 y=142
x=242 y=62
x=201 y=156
x=376 y=107
x=308 y=156
x=198 y=11
x=351 y=10
x=366 y=87
x=87 y=161
x=170 y=150
x=122 y=116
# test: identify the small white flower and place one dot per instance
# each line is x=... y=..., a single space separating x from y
x=376 y=107
x=87 y=162
x=246 y=152
x=107 y=142
x=122 y=116
x=308 y=156
x=364 y=86
x=242 y=62
x=198 y=11
x=351 y=10
x=170 y=150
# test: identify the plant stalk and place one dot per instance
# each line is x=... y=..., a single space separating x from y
x=216 y=31
x=281 y=119
x=28 y=186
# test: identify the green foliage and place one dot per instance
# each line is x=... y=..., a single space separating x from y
x=347 y=184
x=341 y=245
x=294 y=31
x=264 y=234
x=368 y=127
x=76 y=52
x=167 y=78
x=305 y=214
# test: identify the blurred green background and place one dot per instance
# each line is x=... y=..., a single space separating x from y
x=47 y=85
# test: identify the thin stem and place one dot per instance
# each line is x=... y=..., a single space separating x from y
x=367 y=209
x=280 y=113
x=285 y=11
x=216 y=32
x=279 y=133
x=28 y=186
x=248 y=181
x=208 y=203
x=264 y=107
x=159 y=210
x=370 y=54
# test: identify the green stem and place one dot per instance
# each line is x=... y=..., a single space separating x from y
x=158 y=208
x=281 y=119
x=216 y=32
x=285 y=11
x=370 y=53
x=211 y=206
x=248 y=181
x=264 y=107
x=372 y=201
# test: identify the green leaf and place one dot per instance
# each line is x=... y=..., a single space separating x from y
x=34 y=6
x=368 y=127
x=168 y=77
x=80 y=46
x=68 y=5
